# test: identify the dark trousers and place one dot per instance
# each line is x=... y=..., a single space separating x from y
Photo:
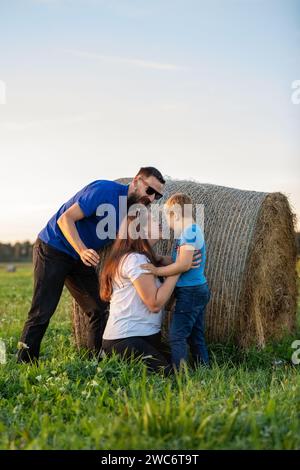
x=149 y=348
x=52 y=270
x=187 y=325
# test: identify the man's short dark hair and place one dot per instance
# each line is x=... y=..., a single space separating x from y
x=147 y=171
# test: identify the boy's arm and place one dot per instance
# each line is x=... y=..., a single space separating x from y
x=182 y=264
x=166 y=260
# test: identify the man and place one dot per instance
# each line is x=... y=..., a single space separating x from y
x=65 y=253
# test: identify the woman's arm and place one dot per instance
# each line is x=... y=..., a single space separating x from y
x=154 y=297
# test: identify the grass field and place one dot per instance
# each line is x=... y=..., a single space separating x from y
x=246 y=401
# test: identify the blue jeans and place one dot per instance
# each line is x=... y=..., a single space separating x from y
x=187 y=325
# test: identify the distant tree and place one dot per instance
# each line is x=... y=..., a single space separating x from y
x=20 y=251
x=298 y=242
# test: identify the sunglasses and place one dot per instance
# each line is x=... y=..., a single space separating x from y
x=150 y=191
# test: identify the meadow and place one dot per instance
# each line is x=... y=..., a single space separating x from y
x=245 y=401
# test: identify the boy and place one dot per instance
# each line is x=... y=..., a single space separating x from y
x=192 y=292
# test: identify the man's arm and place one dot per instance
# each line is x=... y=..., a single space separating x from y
x=66 y=223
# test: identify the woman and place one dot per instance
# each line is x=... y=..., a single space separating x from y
x=136 y=301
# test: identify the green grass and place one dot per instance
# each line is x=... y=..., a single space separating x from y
x=246 y=401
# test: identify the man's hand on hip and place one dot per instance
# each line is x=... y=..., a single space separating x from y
x=89 y=257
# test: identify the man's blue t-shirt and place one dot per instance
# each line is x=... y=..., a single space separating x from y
x=89 y=199
x=192 y=235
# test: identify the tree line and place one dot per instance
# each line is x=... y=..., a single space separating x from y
x=17 y=252
x=22 y=251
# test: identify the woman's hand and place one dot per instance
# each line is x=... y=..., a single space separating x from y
x=197 y=258
x=150 y=268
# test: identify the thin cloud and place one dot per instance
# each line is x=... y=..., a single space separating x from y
x=129 y=61
x=60 y=121
x=117 y=7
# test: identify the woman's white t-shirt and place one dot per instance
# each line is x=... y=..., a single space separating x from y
x=128 y=315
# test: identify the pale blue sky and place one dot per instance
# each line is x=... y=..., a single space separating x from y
x=97 y=88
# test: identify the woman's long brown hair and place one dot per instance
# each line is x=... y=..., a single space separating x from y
x=122 y=247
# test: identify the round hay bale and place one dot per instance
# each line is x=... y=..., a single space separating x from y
x=251 y=263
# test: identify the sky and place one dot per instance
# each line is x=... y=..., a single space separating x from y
x=95 y=89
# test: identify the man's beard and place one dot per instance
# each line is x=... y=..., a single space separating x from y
x=135 y=199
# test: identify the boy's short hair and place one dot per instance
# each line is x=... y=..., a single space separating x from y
x=179 y=199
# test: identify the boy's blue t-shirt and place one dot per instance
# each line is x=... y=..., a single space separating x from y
x=89 y=198
x=192 y=235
